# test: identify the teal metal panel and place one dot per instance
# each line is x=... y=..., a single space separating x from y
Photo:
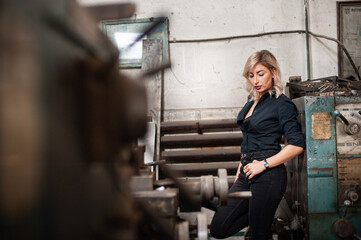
x=321 y=226
x=320 y=195
x=321 y=156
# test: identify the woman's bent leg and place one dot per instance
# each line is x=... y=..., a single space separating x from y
x=233 y=217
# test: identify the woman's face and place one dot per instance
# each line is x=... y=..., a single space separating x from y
x=260 y=78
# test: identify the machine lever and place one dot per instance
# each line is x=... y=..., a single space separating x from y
x=338 y=114
x=347 y=203
x=350 y=129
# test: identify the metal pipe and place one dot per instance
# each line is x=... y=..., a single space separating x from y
x=203 y=166
x=203 y=140
x=307 y=40
x=244 y=194
x=198 y=126
x=201 y=155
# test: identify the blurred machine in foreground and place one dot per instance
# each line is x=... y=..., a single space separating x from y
x=70 y=166
x=325 y=182
x=68 y=120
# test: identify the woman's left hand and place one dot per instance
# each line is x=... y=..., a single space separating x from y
x=254 y=168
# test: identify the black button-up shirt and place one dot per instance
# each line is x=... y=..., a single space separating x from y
x=271 y=119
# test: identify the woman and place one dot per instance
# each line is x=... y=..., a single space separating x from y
x=264 y=119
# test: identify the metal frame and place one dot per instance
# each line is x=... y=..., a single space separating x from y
x=340 y=6
x=140 y=25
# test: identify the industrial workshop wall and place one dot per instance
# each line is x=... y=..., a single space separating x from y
x=205 y=79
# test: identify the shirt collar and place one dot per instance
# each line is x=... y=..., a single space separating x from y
x=264 y=97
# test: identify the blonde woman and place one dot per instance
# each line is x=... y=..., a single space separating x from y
x=265 y=118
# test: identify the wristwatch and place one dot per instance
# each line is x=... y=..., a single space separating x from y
x=265 y=164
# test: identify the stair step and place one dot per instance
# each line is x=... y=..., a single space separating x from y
x=203 y=155
x=203 y=140
x=198 y=126
x=196 y=169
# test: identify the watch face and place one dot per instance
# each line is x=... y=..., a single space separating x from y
x=265 y=163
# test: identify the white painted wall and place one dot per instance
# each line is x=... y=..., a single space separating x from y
x=323 y=20
x=205 y=80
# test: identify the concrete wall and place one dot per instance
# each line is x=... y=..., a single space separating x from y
x=205 y=80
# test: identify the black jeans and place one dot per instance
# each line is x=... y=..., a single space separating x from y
x=258 y=212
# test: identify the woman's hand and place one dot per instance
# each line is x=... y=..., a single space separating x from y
x=254 y=168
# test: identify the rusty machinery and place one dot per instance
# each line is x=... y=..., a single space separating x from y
x=180 y=197
x=324 y=183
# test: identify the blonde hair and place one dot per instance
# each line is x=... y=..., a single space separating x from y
x=268 y=60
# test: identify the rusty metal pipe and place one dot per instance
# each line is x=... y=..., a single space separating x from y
x=197 y=126
x=208 y=140
x=244 y=194
x=202 y=155
x=203 y=166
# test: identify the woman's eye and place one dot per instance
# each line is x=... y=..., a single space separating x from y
x=261 y=75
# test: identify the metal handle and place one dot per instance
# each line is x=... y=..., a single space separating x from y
x=350 y=128
x=338 y=114
x=243 y=194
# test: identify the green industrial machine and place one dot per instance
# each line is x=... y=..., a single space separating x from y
x=324 y=182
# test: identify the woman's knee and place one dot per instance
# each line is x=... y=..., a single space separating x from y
x=217 y=232
x=216 y=228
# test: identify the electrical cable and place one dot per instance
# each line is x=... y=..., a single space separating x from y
x=235 y=37
x=342 y=47
x=273 y=33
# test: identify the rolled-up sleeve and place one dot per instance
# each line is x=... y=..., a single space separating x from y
x=289 y=124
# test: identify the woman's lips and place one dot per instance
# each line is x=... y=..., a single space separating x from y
x=257 y=87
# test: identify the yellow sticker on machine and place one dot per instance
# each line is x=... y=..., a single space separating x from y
x=349 y=170
x=321 y=125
